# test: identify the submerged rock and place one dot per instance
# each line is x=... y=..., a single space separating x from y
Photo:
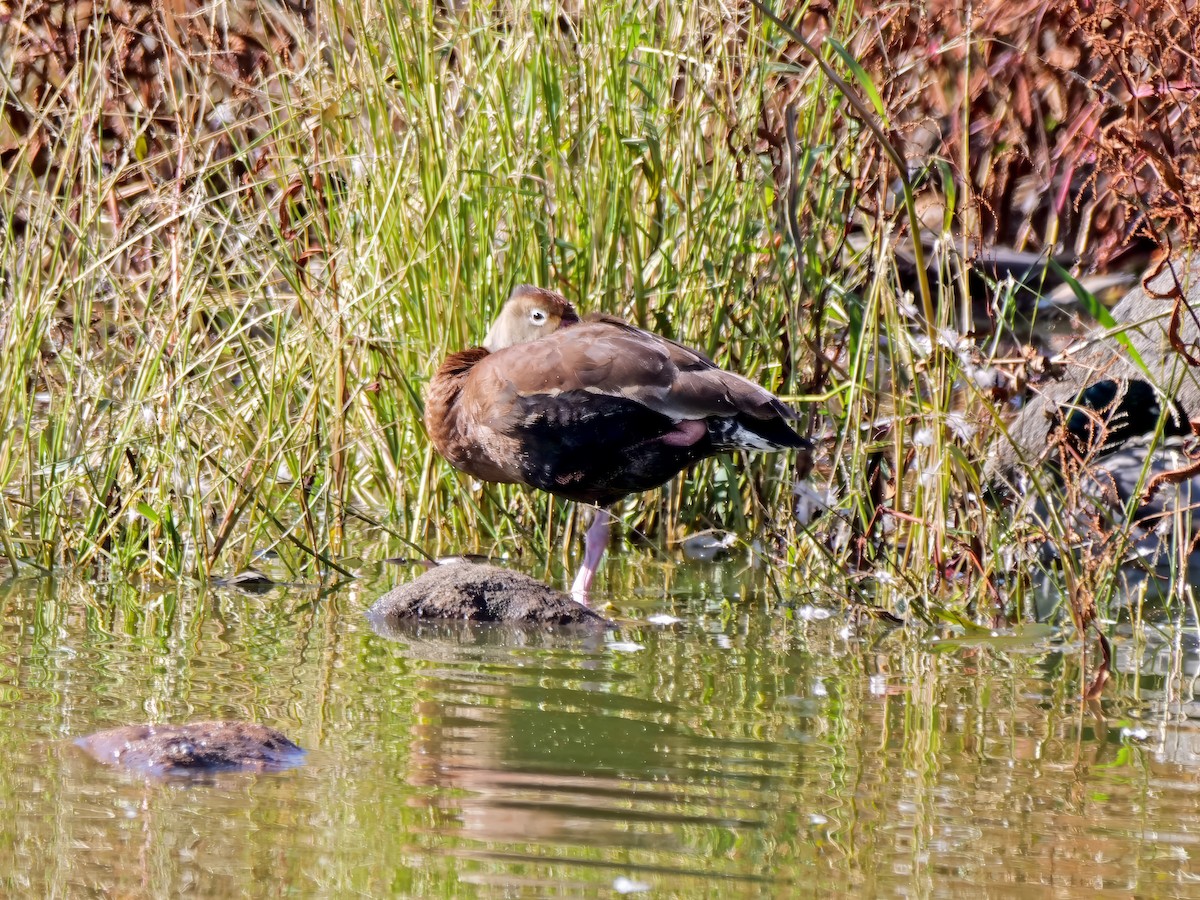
x=462 y=640
x=196 y=748
x=249 y=580
x=706 y=546
x=481 y=594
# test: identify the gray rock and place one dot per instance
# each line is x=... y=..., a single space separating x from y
x=1146 y=319
x=196 y=748
x=1110 y=403
x=706 y=546
x=1158 y=529
x=480 y=593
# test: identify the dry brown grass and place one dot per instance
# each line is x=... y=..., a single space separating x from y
x=1072 y=125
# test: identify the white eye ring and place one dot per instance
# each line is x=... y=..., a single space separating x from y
x=537 y=316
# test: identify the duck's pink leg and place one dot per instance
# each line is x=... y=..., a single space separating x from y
x=595 y=542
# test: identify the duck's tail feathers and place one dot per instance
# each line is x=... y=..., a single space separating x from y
x=748 y=433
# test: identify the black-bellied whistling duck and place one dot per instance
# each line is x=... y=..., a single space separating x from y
x=591 y=409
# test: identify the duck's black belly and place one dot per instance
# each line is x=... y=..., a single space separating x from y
x=597 y=448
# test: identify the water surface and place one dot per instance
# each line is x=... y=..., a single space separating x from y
x=752 y=748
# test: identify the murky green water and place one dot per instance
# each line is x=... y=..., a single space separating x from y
x=737 y=752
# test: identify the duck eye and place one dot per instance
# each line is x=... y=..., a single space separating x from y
x=537 y=316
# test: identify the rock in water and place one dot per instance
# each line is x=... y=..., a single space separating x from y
x=481 y=594
x=196 y=748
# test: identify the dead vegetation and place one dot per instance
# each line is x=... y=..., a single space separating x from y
x=1071 y=126
x=182 y=81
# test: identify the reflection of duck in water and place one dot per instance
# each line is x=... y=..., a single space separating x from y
x=1117 y=421
x=522 y=764
x=592 y=409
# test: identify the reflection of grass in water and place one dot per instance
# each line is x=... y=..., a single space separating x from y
x=237 y=362
x=786 y=751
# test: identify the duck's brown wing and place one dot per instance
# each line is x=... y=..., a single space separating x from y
x=606 y=356
x=592 y=412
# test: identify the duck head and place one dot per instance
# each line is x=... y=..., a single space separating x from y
x=530 y=313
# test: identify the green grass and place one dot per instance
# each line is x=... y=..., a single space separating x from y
x=235 y=362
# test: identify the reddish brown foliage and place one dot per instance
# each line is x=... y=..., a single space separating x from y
x=1079 y=121
x=177 y=67
x=1074 y=125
